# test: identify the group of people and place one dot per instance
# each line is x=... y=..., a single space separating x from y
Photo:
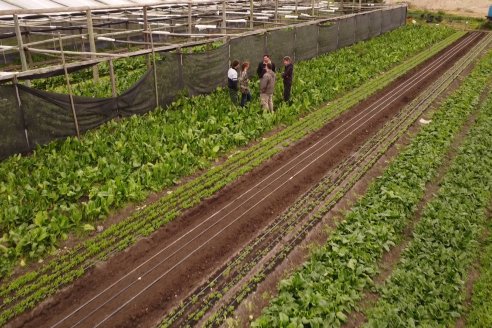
x=238 y=82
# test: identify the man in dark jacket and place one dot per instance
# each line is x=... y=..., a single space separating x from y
x=262 y=66
x=287 y=76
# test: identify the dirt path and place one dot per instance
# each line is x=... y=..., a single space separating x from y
x=136 y=287
x=475 y=8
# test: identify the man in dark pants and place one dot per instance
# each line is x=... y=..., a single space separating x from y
x=287 y=76
x=232 y=81
x=261 y=66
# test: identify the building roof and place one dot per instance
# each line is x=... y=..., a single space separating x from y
x=67 y=4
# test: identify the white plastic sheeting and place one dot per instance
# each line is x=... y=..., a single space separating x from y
x=52 y=4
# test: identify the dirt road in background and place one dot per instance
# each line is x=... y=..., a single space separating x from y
x=477 y=8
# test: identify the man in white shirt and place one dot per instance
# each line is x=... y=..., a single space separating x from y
x=232 y=81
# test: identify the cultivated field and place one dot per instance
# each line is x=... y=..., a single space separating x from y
x=364 y=202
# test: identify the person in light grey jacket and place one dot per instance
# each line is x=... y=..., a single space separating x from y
x=267 y=87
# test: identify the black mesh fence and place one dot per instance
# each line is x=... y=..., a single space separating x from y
x=140 y=98
x=328 y=38
x=280 y=43
x=375 y=23
x=47 y=116
x=249 y=48
x=11 y=124
x=403 y=15
x=386 y=18
x=204 y=72
x=395 y=18
x=362 y=27
x=169 y=77
x=346 y=33
x=306 y=45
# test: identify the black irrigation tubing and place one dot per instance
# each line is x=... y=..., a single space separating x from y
x=285 y=223
x=431 y=96
x=443 y=58
x=269 y=246
x=297 y=211
x=289 y=133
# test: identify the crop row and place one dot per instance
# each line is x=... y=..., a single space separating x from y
x=34 y=286
x=427 y=286
x=67 y=184
x=331 y=282
x=480 y=314
x=127 y=72
x=361 y=161
x=306 y=208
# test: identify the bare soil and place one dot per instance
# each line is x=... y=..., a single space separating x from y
x=252 y=306
x=473 y=8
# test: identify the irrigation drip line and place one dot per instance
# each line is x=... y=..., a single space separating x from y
x=310 y=224
x=406 y=86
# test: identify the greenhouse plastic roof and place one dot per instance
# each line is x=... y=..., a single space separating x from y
x=51 y=4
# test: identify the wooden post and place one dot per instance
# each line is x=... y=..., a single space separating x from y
x=190 y=26
x=19 y=107
x=224 y=17
x=28 y=39
x=146 y=37
x=92 y=43
x=113 y=79
x=312 y=7
x=70 y=95
x=251 y=16
x=276 y=11
x=82 y=44
x=295 y=11
x=22 y=53
x=155 y=70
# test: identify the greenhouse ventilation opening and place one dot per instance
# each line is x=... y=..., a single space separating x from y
x=30 y=117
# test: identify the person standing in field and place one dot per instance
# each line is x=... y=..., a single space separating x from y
x=267 y=86
x=232 y=81
x=287 y=76
x=244 y=84
x=261 y=66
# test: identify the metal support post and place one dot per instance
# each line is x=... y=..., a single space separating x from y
x=146 y=36
x=251 y=16
x=276 y=11
x=22 y=53
x=224 y=17
x=190 y=26
x=92 y=43
x=19 y=107
x=113 y=79
x=70 y=95
x=155 y=70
